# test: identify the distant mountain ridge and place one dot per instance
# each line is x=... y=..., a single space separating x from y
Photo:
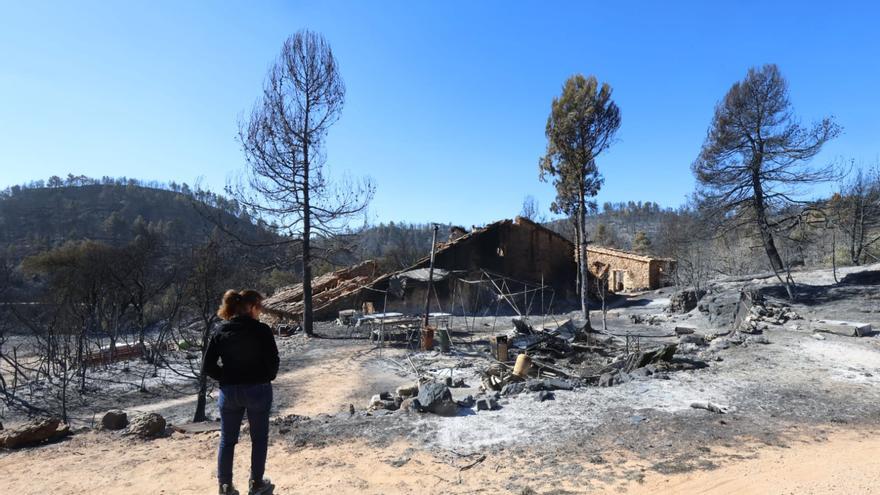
x=34 y=219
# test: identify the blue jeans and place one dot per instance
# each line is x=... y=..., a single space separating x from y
x=235 y=401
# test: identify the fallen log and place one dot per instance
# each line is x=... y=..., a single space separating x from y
x=34 y=432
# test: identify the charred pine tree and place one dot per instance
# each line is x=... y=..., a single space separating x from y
x=754 y=161
x=283 y=142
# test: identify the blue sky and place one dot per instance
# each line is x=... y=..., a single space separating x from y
x=446 y=101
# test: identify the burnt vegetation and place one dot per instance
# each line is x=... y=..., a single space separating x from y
x=94 y=270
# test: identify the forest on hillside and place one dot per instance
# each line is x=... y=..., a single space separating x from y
x=40 y=216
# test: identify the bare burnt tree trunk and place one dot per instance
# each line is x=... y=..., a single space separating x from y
x=763 y=224
x=202 y=394
x=582 y=260
x=307 y=232
x=283 y=143
x=765 y=230
x=834 y=255
x=577 y=241
x=582 y=123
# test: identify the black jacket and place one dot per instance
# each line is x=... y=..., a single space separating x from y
x=246 y=350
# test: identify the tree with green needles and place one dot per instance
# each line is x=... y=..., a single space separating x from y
x=641 y=243
x=582 y=123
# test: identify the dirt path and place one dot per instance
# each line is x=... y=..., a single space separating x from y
x=318 y=376
x=845 y=462
x=848 y=462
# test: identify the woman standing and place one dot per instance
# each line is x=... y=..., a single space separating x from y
x=248 y=362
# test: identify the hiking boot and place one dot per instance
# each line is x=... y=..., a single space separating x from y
x=228 y=489
x=263 y=487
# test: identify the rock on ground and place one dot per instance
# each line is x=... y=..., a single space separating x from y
x=487 y=404
x=410 y=405
x=147 y=425
x=114 y=420
x=692 y=339
x=34 y=432
x=406 y=391
x=436 y=398
x=685 y=300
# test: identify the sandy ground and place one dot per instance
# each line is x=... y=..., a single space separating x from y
x=840 y=462
x=847 y=462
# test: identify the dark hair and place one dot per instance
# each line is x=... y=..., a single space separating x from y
x=237 y=303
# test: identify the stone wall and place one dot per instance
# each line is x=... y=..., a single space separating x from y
x=634 y=271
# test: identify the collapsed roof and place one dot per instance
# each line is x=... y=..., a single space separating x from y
x=327 y=289
x=520 y=249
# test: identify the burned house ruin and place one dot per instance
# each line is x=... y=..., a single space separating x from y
x=629 y=272
x=507 y=267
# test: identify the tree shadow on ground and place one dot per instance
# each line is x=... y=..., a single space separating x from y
x=817 y=295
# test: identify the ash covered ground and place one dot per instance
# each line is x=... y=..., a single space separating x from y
x=785 y=378
x=789 y=380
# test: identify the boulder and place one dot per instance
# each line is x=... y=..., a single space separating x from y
x=436 y=398
x=487 y=404
x=410 y=405
x=114 y=420
x=545 y=395
x=756 y=339
x=720 y=309
x=685 y=300
x=406 y=391
x=514 y=388
x=719 y=344
x=148 y=425
x=33 y=432
x=383 y=401
x=692 y=339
